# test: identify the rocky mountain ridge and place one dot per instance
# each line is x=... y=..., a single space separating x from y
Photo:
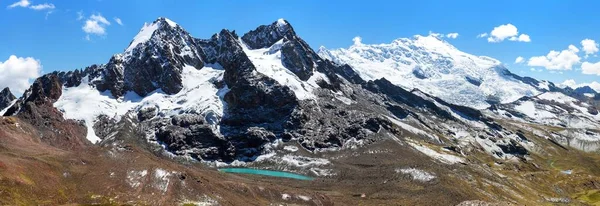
x=266 y=99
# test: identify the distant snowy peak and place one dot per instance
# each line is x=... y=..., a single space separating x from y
x=435 y=66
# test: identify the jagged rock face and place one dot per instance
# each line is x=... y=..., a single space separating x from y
x=253 y=107
x=266 y=35
x=296 y=55
x=252 y=97
x=36 y=108
x=154 y=60
x=585 y=90
x=6 y=97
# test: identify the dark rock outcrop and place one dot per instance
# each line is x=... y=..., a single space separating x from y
x=6 y=98
x=296 y=54
x=36 y=107
x=585 y=90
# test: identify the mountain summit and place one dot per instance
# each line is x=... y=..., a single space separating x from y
x=390 y=119
x=434 y=66
x=6 y=99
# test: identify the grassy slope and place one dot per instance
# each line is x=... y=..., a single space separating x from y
x=32 y=173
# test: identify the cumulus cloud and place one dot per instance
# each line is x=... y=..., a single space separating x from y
x=519 y=60
x=554 y=60
x=95 y=25
x=589 y=47
x=505 y=32
x=573 y=84
x=357 y=40
x=18 y=72
x=590 y=68
x=118 y=20
x=569 y=83
x=521 y=38
x=452 y=35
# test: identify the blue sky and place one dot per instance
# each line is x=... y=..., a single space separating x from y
x=53 y=32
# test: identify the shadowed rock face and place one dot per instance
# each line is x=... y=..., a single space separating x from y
x=257 y=109
x=6 y=97
x=36 y=108
x=296 y=55
x=154 y=64
x=585 y=90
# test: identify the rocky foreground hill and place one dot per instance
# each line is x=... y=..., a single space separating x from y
x=152 y=125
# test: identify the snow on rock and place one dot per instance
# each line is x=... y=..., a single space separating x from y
x=135 y=178
x=161 y=179
x=301 y=161
x=199 y=95
x=290 y=148
x=286 y=196
x=85 y=102
x=303 y=197
x=205 y=200
x=417 y=174
x=322 y=172
x=171 y=23
x=9 y=106
x=144 y=35
x=528 y=108
x=268 y=62
x=444 y=158
x=412 y=129
x=434 y=66
x=281 y=22
x=556 y=97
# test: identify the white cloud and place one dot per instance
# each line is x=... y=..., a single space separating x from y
x=38 y=7
x=521 y=38
x=357 y=40
x=519 y=60
x=590 y=68
x=99 y=18
x=435 y=34
x=118 y=20
x=452 y=35
x=21 y=3
x=95 y=25
x=589 y=46
x=503 y=32
x=17 y=73
x=45 y=6
x=554 y=60
x=571 y=83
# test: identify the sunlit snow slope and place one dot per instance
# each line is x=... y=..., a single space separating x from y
x=432 y=65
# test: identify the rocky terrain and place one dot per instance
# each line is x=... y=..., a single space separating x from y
x=6 y=99
x=160 y=117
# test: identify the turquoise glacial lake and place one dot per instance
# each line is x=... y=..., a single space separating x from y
x=265 y=173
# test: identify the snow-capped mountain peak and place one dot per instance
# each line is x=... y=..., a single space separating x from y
x=436 y=67
x=148 y=30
